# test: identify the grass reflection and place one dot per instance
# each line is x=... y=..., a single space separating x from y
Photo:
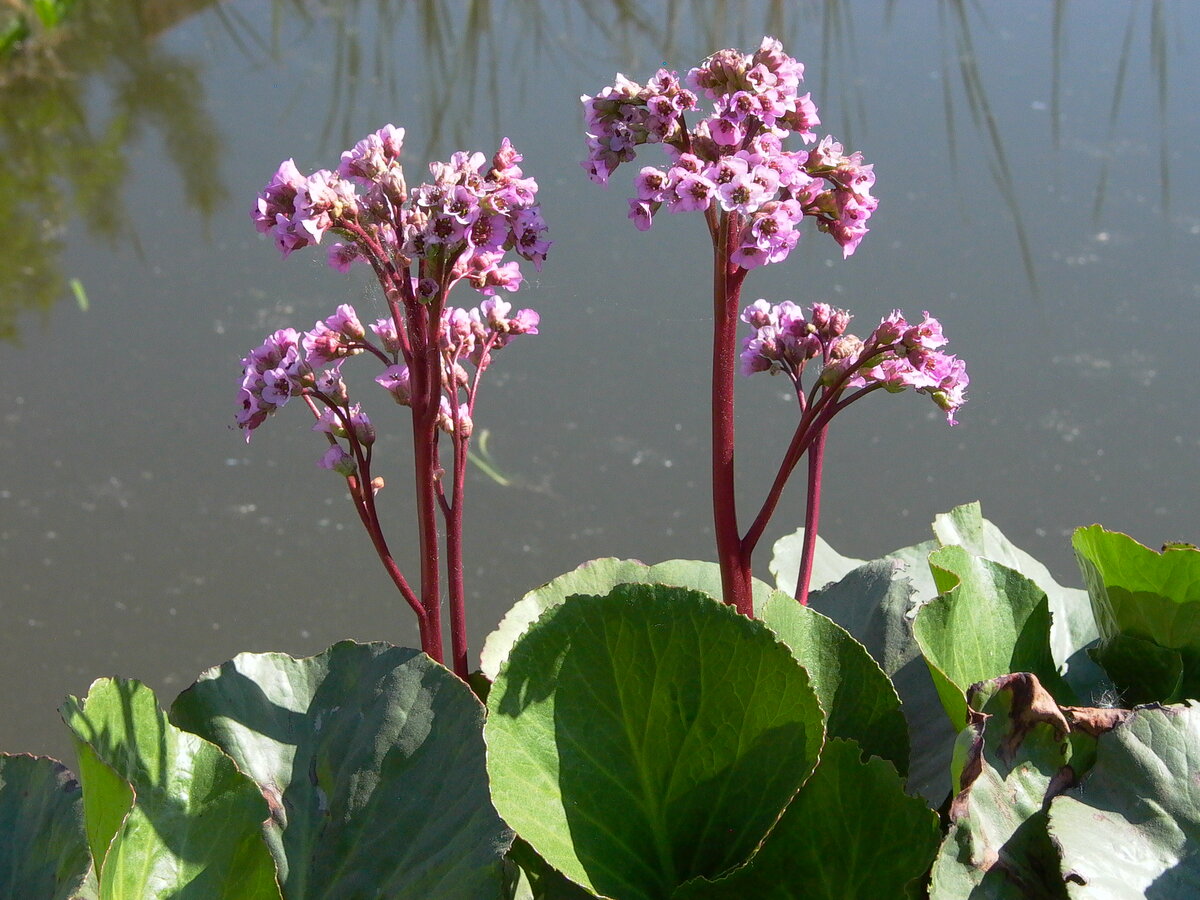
x=66 y=157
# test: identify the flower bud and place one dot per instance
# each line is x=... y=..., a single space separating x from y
x=845 y=347
x=338 y=460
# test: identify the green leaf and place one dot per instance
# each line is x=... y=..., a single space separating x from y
x=989 y=620
x=1072 y=626
x=859 y=700
x=168 y=815
x=598 y=577
x=544 y=882
x=1141 y=593
x=372 y=759
x=829 y=566
x=1132 y=829
x=641 y=739
x=851 y=832
x=1144 y=671
x=1013 y=757
x=44 y=852
x=872 y=603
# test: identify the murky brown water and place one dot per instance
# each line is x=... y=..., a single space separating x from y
x=1037 y=169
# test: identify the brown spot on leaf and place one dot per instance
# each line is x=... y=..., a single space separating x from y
x=1095 y=720
x=1032 y=705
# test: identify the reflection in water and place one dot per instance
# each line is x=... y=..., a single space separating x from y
x=958 y=15
x=63 y=160
x=1159 y=66
x=468 y=61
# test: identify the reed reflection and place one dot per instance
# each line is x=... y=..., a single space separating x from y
x=469 y=50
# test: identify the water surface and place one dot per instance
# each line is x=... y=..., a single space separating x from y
x=1038 y=176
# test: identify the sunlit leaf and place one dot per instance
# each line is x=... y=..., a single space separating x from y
x=859 y=700
x=989 y=620
x=168 y=815
x=597 y=577
x=643 y=738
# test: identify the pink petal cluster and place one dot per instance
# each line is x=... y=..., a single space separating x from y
x=458 y=226
x=286 y=365
x=466 y=336
x=735 y=158
x=470 y=213
x=897 y=354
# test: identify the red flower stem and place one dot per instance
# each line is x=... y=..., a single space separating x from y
x=727 y=285
x=426 y=376
x=812 y=512
x=454 y=562
x=800 y=442
x=363 y=497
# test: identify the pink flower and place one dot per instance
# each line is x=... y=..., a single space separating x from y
x=396 y=381
x=642 y=214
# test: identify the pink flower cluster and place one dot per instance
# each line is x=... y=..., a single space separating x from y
x=286 y=365
x=467 y=336
x=289 y=364
x=734 y=159
x=896 y=355
x=465 y=218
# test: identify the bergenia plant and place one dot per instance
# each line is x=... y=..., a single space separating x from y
x=732 y=165
x=420 y=243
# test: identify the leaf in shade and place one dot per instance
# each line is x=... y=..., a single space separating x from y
x=1131 y=830
x=168 y=815
x=44 y=852
x=872 y=603
x=641 y=739
x=851 y=833
x=859 y=700
x=372 y=758
x=1143 y=671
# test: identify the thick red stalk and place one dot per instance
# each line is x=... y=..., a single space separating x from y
x=812 y=513
x=727 y=286
x=426 y=380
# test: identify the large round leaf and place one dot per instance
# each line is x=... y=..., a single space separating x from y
x=850 y=834
x=373 y=759
x=859 y=701
x=43 y=853
x=641 y=739
x=1132 y=830
x=168 y=815
x=597 y=577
